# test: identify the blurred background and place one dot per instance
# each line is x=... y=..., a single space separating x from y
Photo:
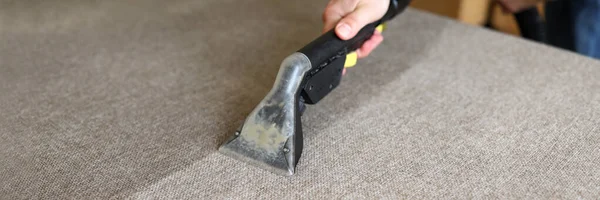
x=573 y=25
x=475 y=12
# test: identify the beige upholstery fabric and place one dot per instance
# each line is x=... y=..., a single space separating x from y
x=130 y=99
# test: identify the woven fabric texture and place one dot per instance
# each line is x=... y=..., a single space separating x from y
x=130 y=100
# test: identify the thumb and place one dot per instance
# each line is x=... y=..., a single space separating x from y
x=351 y=24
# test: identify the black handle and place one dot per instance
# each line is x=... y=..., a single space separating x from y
x=329 y=46
x=327 y=55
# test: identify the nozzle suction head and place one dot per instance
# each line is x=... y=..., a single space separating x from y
x=271 y=136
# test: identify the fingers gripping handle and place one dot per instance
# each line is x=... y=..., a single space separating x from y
x=329 y=45
x=327 y=55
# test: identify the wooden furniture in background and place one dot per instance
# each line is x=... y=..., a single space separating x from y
x=468 y=11
x=474 y=12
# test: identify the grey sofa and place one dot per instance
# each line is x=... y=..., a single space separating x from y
x=130 y=99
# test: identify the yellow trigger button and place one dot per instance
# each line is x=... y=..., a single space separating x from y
x=351 y=59
x=380 y=28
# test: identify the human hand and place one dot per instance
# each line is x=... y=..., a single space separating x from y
x=349 y=16
x=513 y=6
